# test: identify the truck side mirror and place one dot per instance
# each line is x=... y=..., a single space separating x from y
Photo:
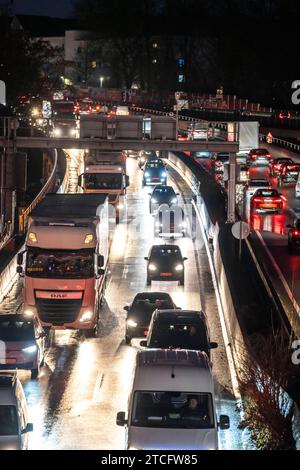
x=20 y=270
x=81 y=180
x=126 y=308
x=101 y=271
x=143 y=343
x=127 y=181
x=224 y=422
x=100 y=261
x=121 y=420
x=20 y=258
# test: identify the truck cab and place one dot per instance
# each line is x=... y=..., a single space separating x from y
x=64 y=263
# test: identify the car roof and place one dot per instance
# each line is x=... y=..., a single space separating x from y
x=162 y=186
x=152 y=294
x=178 y=357
x=170 y=314
x=165 y=247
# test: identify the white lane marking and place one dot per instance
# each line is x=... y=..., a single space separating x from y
x=97 y=388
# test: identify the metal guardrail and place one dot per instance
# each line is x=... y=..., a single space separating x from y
x=23 y=217
x=280 y=142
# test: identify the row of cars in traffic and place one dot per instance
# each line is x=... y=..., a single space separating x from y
x=260 y=194
x=172 y=402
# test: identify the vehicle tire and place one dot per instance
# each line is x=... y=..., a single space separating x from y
x=127 y=339
x=35 y=372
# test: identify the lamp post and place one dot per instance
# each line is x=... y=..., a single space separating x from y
x=101 y=81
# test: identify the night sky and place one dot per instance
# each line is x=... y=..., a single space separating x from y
x=56 y=8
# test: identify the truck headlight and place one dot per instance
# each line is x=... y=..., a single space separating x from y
x=30 y=349
x=32 y=237
x=87 y=316
x=152 y=267
x=132 y=323
x=28 y=312
x=89 y=238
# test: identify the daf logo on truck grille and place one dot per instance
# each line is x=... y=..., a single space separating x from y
x=58 y=296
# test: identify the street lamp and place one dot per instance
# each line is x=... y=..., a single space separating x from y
x=101 y=81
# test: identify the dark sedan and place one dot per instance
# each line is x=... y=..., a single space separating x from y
x=165 y=263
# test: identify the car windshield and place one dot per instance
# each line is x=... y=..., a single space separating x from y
x=16 y=329
x=162 y=192
x=184 y=335
x=259 y=183
x=103 y=180
x=154 y=165
x=182 y=410
x=60 y=264
x=8 y=421
x=267 y=193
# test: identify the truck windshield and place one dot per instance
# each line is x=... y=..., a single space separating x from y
x=8 y=421
x=60 y=264
x=103 y=181
x=172 y=410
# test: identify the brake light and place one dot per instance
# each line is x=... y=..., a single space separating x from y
x=296 y=232
x=257 y=199
x=278 y=200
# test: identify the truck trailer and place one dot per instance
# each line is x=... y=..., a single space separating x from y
x=65 y=261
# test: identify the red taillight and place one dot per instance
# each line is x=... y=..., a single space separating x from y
x=256 y=199
x=278 y=200
x=296 y=232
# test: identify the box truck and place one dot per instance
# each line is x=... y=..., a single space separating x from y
x=105 y=173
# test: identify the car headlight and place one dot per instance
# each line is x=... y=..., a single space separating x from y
x=147 y=174
x=152 y=267
x=179 y=267
x=86 y=316
x=28 y=312
x=174 y=200
x=157 y=224
x=164 y=174
x=154 y=201
x=120 y=206
x=30 y=349
x=183 y=224
x=132 y=323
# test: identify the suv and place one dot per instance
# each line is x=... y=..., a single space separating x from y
x=14 y=425
x=139 y=313
x=259 y=155
x=179 y=329
x=288 y=173
x=154 y=173
x=165 y=263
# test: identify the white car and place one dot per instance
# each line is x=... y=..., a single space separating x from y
x=297 y=187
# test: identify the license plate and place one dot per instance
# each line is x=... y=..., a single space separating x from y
x=166 y=274
x=269 y=205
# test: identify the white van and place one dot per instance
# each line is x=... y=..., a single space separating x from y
x=172 y=403
x=297 y=187
x=14 y=425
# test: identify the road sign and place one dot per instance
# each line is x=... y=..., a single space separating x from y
x=171 y=114
x=240 y=230
x=269 y=138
